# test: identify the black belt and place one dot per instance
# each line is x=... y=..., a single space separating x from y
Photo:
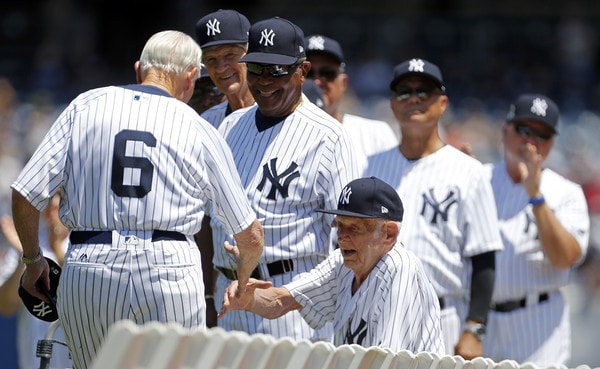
x=508 y=306
x=79 y=237
x=274 y=268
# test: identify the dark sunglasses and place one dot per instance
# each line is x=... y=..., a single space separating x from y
x=325 y=73
x=422 y=92
x=526 y=131
x=274 y=70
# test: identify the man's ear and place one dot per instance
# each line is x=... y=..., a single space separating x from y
x=138 y=72
x=393 y=230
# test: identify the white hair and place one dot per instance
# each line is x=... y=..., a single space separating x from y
x=171 y=51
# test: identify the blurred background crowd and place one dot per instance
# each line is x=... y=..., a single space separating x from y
x=489 y=52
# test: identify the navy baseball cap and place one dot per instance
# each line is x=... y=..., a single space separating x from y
x=39 y=308
x=221 y=28
x=369 y=198
x=319 y=44
x=535 y=107
x=275 y=41
x=418 y=67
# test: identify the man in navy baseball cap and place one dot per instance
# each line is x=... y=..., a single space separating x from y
x=418 y=67
x=275 y=41
x=221 y=28
x=323 y=45
x=534 y=107
x=369 y=198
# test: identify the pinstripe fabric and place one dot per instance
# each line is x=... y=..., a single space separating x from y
x=541 y=332
x=312 y=147
x=132 y=159
x=449 y=216
x=368 y=137
x=215 y=114
x=395 y=307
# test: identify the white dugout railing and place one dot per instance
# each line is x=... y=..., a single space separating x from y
x=169 y=346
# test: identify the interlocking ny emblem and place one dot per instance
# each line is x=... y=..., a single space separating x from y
x=316 y=43
x=270 y=173
x=358 y=336
x=416 y=65
x=213 y=26
x=539 y=107
x=345 y=196
x=266 y=37
x=42 y=309
x=440 y=208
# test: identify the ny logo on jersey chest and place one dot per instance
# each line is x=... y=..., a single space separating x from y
x=279 y=182
x=356 y=336
x=438 y=207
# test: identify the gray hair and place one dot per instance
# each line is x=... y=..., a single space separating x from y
x=171 y=51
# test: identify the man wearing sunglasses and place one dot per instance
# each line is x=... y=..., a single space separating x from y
x=450 y=220
x=223 y=38
x=368 y=136
x=544 y=224
x=293 y=158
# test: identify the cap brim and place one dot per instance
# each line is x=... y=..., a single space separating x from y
x=534 y=118
x=345 y=213
x=223 y=42
x=425 y=75
x=266 y=58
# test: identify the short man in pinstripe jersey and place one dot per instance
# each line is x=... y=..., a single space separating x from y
x=545 y=228
x=135 y=167
x=293 y=158
x=373 y=290
x=450 y=221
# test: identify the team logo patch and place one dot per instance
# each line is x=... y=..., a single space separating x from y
x=279 y=182
x=437 y=205
x=539 y=107
x=316 y=43
x=213 y=26
x=416 y=65
x=345 y=196
x=267 y=37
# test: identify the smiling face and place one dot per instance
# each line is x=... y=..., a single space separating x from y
x=364 y=241
x=278 y=96
x=222 y=64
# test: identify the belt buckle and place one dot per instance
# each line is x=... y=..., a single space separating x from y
x=131 y=240
x=287 y=266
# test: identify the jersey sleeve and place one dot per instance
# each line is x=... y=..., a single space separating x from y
x=44 y=172
x=479 y=220
x=228 y=199
x=317 y=291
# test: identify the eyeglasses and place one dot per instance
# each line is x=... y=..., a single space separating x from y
x=423 y=92
x=326 y=73
x=274 y=70
x=526 y=131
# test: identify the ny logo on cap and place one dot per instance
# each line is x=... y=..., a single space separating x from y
x=213 y=27
x=42 y=309
x=416 y=65
x=345 y=197
x=266 y=37
x=539 y=107
x=316 y=43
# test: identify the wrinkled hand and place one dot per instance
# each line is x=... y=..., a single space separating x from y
x=35 y=277
x=233 y=300
x=468 y=346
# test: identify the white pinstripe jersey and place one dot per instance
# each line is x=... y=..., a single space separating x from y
x=395 y=307
x=522 y=267
x=215 y=114
x=289 y=170
x=368 y=137
x=135 y=158
x=449 y=212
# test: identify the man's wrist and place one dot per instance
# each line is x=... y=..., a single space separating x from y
x=537 y=200
x=478 y=329
x=28 y=261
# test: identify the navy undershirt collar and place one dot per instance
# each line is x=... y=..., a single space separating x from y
x=148 y=89
x=263 y=122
